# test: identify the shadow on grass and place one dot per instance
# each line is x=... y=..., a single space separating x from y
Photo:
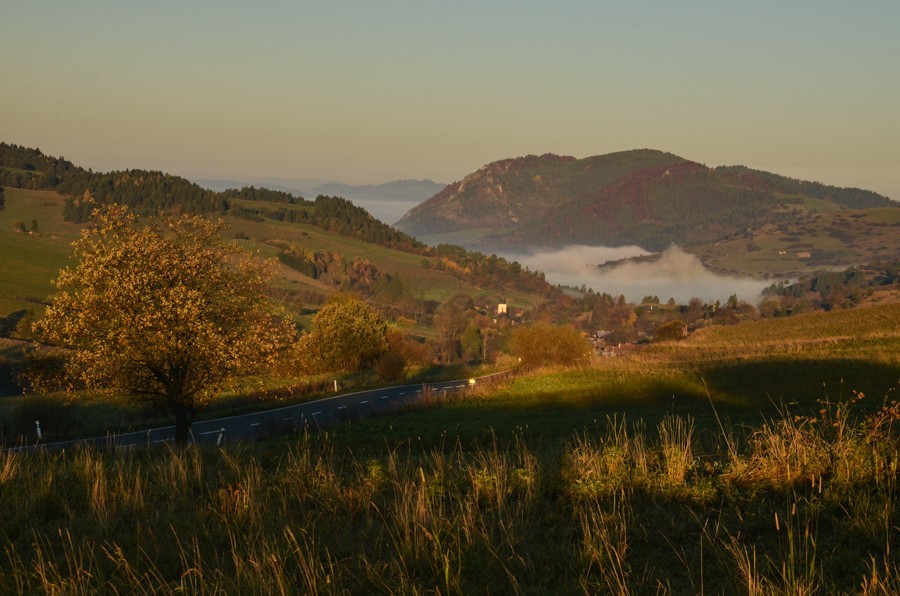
x=802 y=383
x=740 y=396
x=12 y=354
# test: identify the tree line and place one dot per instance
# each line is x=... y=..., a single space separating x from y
x=830 y=290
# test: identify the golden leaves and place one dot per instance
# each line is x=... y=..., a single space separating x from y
x=169 y=310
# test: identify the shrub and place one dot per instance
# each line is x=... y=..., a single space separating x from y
x=673 y=330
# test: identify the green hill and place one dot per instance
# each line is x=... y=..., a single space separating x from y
x=324 y=245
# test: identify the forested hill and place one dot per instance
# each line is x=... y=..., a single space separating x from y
x=148 y=192
x=142 y=190
x=643 y=197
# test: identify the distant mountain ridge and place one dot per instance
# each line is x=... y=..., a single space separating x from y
x=397 y=190
x=646 y=197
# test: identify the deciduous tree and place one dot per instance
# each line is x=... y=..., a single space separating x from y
x=544 y=344
x=347 y=335
x=449 y=322
x=167 y=313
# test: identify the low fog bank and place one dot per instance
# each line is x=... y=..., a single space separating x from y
x=676 y=274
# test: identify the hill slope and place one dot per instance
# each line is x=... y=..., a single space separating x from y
x=324 y=245
x=644 y=197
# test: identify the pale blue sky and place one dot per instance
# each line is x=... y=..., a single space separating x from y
x=375 y=91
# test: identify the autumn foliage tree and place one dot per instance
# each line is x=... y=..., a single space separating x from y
x=543 y=344
x=347 y=335
x=167 y=314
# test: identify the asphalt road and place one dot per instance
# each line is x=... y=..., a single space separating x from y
x=313 y=415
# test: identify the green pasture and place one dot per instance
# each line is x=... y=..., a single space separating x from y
x=743 y=372
x=429 y=284
x=884 y=215
x=30 y=262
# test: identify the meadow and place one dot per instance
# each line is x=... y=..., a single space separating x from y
x=757 y=458
x=31 y=261
x=832 y=237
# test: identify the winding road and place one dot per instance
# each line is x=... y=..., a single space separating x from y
x=312 y=414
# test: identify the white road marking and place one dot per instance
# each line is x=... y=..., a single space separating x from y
x=363 y=402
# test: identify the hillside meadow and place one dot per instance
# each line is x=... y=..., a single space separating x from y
x=758 y=458
x=821 y=236
x=31 y=261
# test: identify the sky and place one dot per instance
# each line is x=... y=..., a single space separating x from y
x=367 y=92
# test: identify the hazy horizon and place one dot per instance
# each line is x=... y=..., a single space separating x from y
x=365 y=93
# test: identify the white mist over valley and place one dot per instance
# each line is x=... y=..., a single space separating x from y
x=675 y=274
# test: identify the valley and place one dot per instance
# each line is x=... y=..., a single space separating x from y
x=629 y=443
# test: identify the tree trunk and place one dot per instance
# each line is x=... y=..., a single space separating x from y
x=183 y=419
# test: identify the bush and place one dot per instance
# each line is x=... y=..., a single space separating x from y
x=672 y=330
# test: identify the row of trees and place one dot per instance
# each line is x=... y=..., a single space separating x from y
x=488 y=270
x=357 y=274
x=830 y=290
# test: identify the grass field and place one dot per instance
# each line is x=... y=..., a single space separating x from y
x=32 y=261
x=744 y=459
x=429 y=284
x=746 y=372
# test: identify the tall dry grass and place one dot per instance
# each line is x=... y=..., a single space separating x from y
x=804 y=506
